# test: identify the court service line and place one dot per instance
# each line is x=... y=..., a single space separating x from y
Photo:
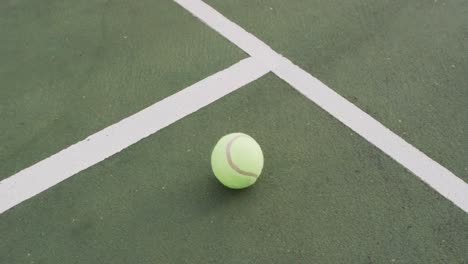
x=111 y=140
x=428 y=170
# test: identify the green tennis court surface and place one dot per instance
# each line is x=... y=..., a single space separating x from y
x=326 y=195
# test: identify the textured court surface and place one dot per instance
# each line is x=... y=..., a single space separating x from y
x=326 y=194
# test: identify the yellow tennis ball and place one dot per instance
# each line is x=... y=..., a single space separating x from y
x=237 y=160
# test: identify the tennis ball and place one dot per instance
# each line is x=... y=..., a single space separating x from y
x=237 y=160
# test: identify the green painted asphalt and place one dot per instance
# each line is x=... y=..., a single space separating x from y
x=70 y=68
x=325 y=196
x=403 y=62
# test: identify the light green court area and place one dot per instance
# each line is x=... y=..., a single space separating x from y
x=325 y=196
x=70 y=68
x=403 y=62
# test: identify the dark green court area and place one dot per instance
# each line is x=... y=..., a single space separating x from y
x=71 y=68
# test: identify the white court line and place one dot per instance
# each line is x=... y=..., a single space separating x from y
x=428 y=170
x=111 y=140
x=431 y=172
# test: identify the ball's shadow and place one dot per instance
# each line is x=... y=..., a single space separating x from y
x=218 y=196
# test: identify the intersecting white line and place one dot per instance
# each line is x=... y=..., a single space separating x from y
x=428 y=170
x=111 y=140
